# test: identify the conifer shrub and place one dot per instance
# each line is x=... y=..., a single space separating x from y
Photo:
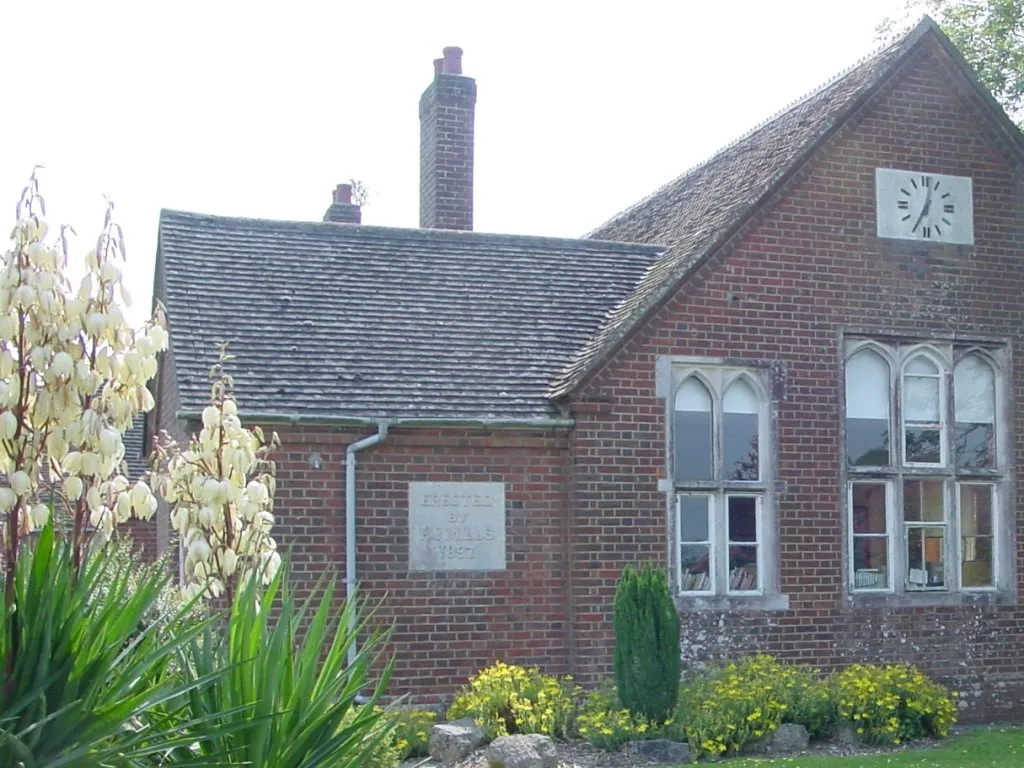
x=646 y=643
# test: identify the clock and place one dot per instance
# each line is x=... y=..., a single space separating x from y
x=928 y=207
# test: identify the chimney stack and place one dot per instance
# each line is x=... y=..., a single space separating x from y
x=446 y=146
x=343 y=210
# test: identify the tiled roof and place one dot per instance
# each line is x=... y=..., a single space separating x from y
x=135 y=450
x=700 y=209
x=341 y=321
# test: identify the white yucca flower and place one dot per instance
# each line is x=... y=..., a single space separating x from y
x=221 y=491
x=66 y=425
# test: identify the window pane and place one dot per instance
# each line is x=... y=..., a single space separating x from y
x=870 y=562
x=975 y=446
x=923 y=445
x=867 y=410
x=743 y=568
x=976 y=510
x=923 y=366
x=921 y=399
x=977 y=571
x=695 y=561
x=923 y=501
x=975 y=403
x=693 y=518
x=869 y=508
x=867 y=442
x=739 y=432
x=974 y=384
x=692 y=432
x=925 y=556
x=742 y=518
x=976 y=547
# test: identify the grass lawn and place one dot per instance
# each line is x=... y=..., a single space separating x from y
x=982 y=748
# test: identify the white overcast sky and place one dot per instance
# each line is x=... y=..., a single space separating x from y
x=259 y=110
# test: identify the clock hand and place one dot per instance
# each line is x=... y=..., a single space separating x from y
x=924 y=209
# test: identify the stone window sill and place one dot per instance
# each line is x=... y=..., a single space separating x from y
x=688 y=604
x=929 y=599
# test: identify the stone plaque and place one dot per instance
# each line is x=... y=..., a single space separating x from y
x=456 y=526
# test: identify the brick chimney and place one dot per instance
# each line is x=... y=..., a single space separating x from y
x=446 y=146
x=343 y=210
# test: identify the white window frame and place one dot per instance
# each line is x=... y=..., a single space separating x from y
x=944 y=370
x=946 y=356
x=890 y=534
x=717 y=378
x=997 y=540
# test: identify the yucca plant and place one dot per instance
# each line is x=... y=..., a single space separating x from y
x=288 y=697
x=83 y=668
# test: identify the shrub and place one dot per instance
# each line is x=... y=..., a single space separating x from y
x=893 y=703
x=385 y=750
x=646 y=643
x=727 y=707
x=505 y=699
x=607 y=725
x=611 y=728
x=812 y=704
x=412 y=732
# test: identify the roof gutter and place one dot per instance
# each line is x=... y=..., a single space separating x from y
x=350 y=523
x=272 y=417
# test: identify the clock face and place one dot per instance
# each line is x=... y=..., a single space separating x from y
x=924 y=206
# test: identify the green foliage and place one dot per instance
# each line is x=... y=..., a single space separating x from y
x=170 y=610
x=729 y=706
x=385 y=749
x=505 y=699
x=87 y=667
x=611 y=728
x=607 y=725
x=811 y=703
x=647 y=648
x=989 y=34
x=893 y=703
x=281 y=697
x=412 y=732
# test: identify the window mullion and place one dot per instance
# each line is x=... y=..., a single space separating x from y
x=897 y=537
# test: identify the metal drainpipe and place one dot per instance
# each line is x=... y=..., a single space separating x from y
x=350 y=517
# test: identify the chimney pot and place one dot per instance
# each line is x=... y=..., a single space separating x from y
x=452 y=60
x=343 y=193
x=343 y=210
x=438 y=67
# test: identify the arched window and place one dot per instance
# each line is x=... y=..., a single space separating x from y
x=974 y=395
x=740 y=455
x=692 y=439
x=867 y=410
x=922 y=411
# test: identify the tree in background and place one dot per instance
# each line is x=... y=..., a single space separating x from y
x=647 y=652
x=989 y=34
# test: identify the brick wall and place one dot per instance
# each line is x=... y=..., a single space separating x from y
x=807 y=268
x=446 y=625
x=446 y=152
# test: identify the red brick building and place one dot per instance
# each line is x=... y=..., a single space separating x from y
x=788 y=375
